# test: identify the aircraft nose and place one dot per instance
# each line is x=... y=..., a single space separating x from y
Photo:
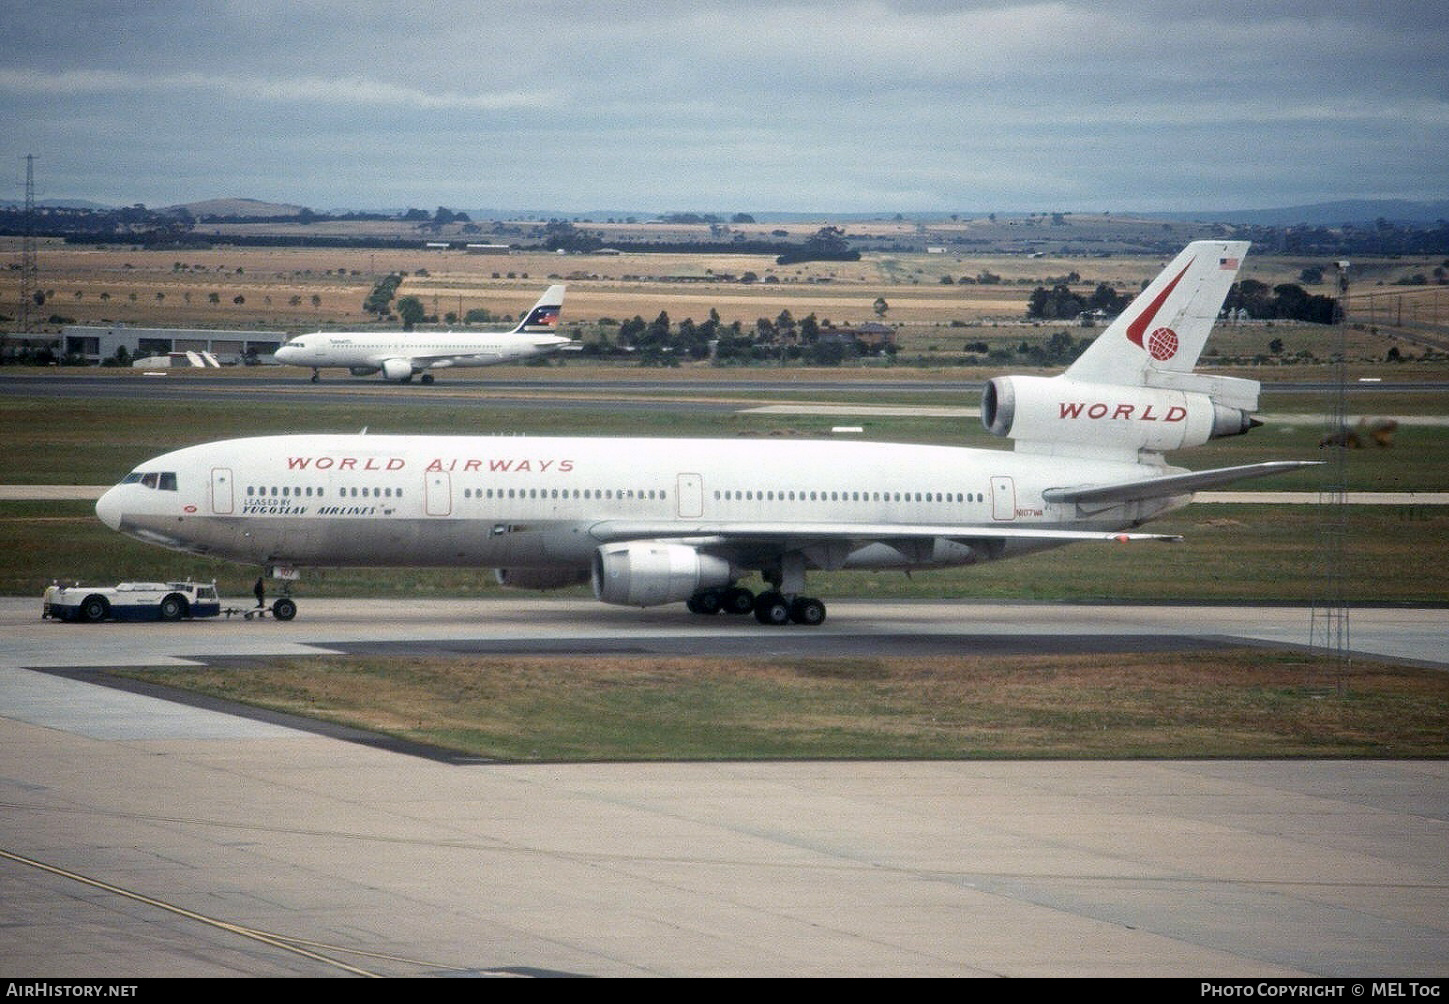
x=108 y=508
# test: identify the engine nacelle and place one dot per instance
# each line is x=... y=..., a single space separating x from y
x=540 y=578
x=362 y=370
x=645 y=574
x=397 y=369
x=1051 y=410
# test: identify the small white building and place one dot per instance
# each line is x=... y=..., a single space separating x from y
x=95 y=343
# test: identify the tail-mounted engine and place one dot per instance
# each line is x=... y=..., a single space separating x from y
x=646 y=574
x=1052 y=411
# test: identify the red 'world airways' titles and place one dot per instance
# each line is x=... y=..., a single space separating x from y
x=495 y=465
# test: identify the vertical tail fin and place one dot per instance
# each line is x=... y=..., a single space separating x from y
x=543 y=318
x=1165 y=328
x=1133 y=395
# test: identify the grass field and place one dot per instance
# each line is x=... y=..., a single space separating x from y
x=1227 y=703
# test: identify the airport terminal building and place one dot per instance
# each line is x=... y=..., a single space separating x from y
x=95 y=343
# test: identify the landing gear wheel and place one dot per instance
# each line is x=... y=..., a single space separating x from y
x=284 y=609
x=738 y=600
x=316 y=376
x=707 y=602
x=427 y=378
x=772 y=609
x=808 y=611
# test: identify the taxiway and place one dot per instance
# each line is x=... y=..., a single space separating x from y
x=141 y=837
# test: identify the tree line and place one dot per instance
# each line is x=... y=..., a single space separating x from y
x=781 y=339
x=1254 y=299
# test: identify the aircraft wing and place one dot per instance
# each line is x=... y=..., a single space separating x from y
x=481 y=357
x=442 y=361
x=1168 y=485
x=795 y=535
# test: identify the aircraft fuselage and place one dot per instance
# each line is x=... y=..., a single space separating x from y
x=550 y=502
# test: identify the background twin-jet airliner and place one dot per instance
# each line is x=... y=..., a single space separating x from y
x=655 y=521
x=400 y=355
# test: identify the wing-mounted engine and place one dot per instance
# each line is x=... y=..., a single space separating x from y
x=540 y=578
x=362 y=370
x=1071 y=417
x=397 y=369
x=646 y=574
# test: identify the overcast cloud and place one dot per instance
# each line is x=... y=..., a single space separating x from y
x=730 y=106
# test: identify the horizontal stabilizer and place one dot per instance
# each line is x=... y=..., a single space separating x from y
x=1169 y=485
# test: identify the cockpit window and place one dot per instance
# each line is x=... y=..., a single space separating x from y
x=162 y=480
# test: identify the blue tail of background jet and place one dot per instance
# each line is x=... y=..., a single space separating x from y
x=543 y=318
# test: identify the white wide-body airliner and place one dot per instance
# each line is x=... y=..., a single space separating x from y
x=654 y=521
x=400 y=355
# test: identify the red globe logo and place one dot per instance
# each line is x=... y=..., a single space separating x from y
x=1162 y=344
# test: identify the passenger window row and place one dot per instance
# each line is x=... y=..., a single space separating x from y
x=839 y=496
x=565 y=493
x=167 y=482
x=296 y=492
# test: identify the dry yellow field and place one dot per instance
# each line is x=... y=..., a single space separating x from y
x=304 y=289
x=297 y=289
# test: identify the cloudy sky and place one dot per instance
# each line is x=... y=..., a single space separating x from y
x=729 y=105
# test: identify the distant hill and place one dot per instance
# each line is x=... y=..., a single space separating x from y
x=57 y=204
x=1326 y=214
x=233 y=208
x=1402 y=212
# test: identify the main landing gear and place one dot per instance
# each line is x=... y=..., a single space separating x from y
x=771 y=608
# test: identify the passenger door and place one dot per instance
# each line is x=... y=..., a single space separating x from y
x=690 y=489
x=222 y=501
x=1003 y=498
x=438 y=493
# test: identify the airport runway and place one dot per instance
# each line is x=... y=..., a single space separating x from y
x=140 y=837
